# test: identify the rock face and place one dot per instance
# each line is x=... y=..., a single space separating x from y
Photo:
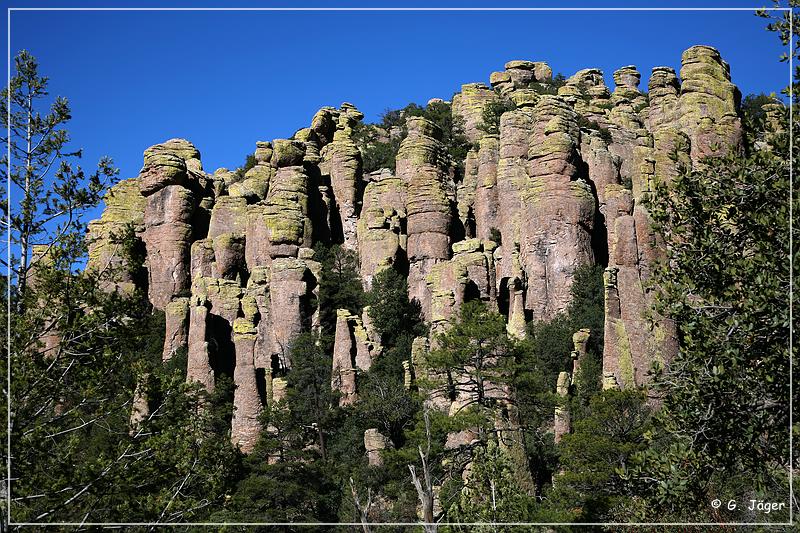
x=375 y=443
x=169 y=171
x=421 y=165
x=562 y=417
x=341 y=161
x=381 y=239
x=124 y=206
x=353 y=352
x=230 y=260
x=709 y=103
x=556 y=239
x=469 y=105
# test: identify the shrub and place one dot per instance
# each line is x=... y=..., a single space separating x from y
x=490 y=119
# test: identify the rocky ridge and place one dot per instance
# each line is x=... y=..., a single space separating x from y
x=230 y=258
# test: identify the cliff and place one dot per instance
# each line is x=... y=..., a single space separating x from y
x=230 y=257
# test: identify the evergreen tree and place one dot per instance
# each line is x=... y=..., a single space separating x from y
x=50 y=193
x=475 y=355
x=600 y=447
x=339 y=285
x=82 y=357
x=724 y=428
x=491 y=492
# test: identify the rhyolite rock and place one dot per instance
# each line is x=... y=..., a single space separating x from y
x=166 y=181
x=663 y=90
x=230 y=256
x=341 y=161
x=708 y=103
x=421 y=165
x=486 y=202
x=555 y=237
x=562 y=424
x=381 y=241
x=375 y=443
x=176 y=315
x=247 y=406
x=124 y=207
x=353 y=351
x=469 y=104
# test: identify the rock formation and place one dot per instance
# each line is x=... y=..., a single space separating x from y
x=230 y=260
x=421 y=165
x=375 y=443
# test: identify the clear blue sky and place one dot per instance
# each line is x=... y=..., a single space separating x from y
x=227 y=79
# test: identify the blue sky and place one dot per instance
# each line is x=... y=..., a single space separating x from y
x=227 y=79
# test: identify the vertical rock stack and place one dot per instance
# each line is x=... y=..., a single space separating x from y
x=486 y=200
x=165 y=183
x=512 y=179
x=421 y=165
x=664 y=90
x=381 y=237
x=230 y=257
x=286 y=212
x=341 y=160
x=468 y=108
x=555 y=238
x=686 y=123
x=469 y=105
x=247 y=403
x=124 y=206
x=353 y=352
x=708 y=103
x=467 y=276
x=562 y=424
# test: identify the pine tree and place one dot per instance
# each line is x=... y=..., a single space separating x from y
x=49 y=194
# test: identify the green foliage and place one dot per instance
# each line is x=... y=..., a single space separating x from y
x=491 y=493
x=453 y=138
x=542 y=355
x=73 y=444
x=310 y=394
x=52 y=193
x=549 y=87
x=585 y=123
x=249 y=162
x=81 y=353
x=278 y=483
x=752 y=111
x=339 y=284
x=548 y=345
x=379 y=143
x=496 y=236
x=627 y=182
x=393 y=316
x=724 y=390
x=384 y=401
x=597 y=452
x=723 y=431
x=473 y=353
x=587 y=306
x=490 y=118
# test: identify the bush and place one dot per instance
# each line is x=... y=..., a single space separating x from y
x=249 y=163
x=379 y=143
x=490 y=119
x=496 y=236
x=585 y=123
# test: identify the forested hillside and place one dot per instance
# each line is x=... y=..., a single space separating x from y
x=542 y=300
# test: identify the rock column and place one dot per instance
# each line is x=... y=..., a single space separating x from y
x=420 y=164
